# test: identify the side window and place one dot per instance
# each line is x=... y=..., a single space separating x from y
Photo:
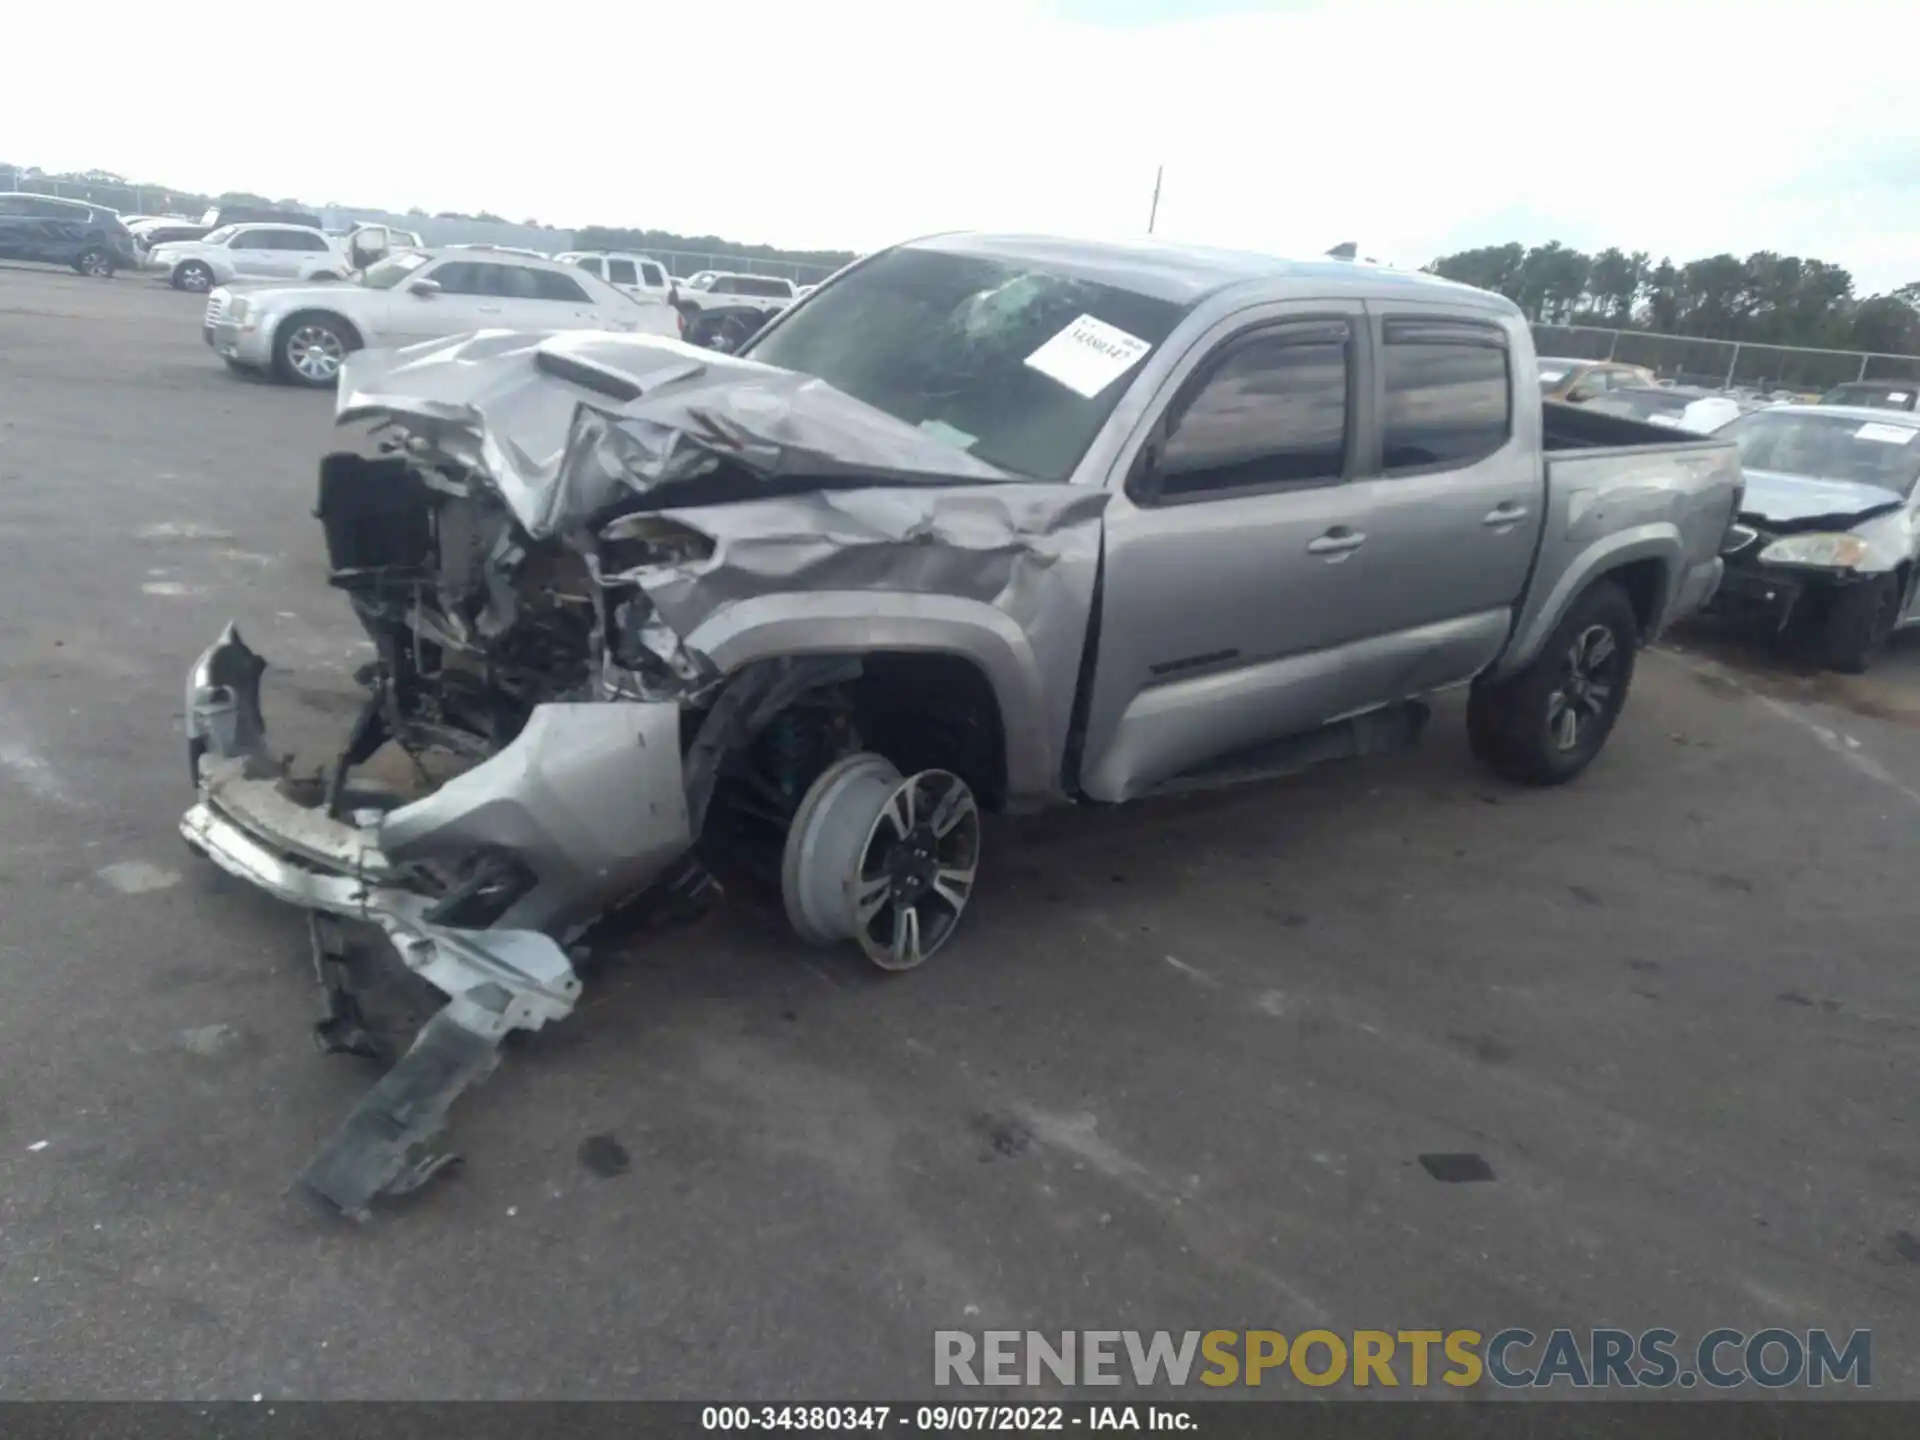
x=620 y=272
x=653 y=275
x=12 y=205
x=461 y=277
x=725 y=285
x=1448 y=397
x=54 y=210
x=590 y=264
x=301 y=240
x=552 y=285
x=248 y=240
x=1273 y=411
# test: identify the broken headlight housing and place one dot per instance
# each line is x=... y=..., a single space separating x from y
x=1825 y=552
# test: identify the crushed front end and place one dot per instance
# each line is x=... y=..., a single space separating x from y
x=539 y=745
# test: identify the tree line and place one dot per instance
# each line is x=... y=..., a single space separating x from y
x=105 y=188
x=1765 y=299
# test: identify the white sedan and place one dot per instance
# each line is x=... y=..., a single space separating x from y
x=301 y=333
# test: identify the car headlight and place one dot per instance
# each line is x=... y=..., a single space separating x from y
x=1828 y=552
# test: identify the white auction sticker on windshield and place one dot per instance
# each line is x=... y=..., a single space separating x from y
x=1885 y=434
x=1089 y=355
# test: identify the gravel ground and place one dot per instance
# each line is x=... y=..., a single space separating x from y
x=1177 y=1073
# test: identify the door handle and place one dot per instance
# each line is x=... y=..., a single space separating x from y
x=1337 y=542
x=1505 y=513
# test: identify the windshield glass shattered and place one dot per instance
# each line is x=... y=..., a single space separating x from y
x=1830 y=447
x=1017 y=366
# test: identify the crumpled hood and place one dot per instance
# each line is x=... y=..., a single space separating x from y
x=568 y=425
x=1805 y=502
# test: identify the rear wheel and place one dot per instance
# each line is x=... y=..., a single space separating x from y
x=1545 y=725
x=1859 y=621
x=96 y=261
x=193 y=276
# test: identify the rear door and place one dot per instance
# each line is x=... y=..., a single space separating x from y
x=1451 y=493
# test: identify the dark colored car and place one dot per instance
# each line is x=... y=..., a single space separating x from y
x=1875 y=394
x=224 y=215
x=166 y=232
x=88 y=238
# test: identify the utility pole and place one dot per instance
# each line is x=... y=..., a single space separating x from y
x=1154 y=213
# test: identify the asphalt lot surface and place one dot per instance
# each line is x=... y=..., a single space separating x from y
x=1177 y=1073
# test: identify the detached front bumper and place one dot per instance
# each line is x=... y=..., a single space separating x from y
x=582 y=811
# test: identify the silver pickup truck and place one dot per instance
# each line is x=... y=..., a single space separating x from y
x=988 y=522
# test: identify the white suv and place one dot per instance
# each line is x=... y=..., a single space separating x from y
x=639 y=275
x=248 y=252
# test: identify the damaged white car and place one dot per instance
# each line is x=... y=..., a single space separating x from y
x=988 y=522
x=1828 y=544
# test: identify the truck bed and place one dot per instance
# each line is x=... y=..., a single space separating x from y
x=1575 y=427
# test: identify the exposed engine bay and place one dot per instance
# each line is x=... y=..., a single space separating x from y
x=539 y=529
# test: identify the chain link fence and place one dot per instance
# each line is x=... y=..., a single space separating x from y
x=1724 y=364
x=127 y=199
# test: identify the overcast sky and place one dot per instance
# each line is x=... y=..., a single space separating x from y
x=1684 y=127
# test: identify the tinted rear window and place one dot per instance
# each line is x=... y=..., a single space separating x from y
x=1447 y=396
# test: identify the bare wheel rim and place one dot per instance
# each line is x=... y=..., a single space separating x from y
x=885 y=861
x=1589 y=679
x=196 y=277
x=315 y=352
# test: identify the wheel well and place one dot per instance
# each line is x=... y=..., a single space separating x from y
x=1645 y=582
x=352 y=332
x=933 y=711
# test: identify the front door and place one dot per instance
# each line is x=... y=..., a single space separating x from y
x=1235 y=554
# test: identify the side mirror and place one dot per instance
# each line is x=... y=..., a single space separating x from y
x=425 y=289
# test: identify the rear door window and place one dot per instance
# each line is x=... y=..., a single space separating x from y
x=547 y=285
x=1446 y=394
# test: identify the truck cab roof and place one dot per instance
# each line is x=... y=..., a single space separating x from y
x=1187 y=274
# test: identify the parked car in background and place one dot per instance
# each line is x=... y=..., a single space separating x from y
x=638 y=275
x=301 y=333
x=220 y=216
x=1699 y=412
x=73 y=233
x=248 y=252
x=1578 y=381
x=149 y=233
x=1827 y=537
x=1875 y=394
x=367 y=245
x=723 y=311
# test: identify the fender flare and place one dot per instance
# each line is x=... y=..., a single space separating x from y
x=862 y=622
x=1540 y=614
